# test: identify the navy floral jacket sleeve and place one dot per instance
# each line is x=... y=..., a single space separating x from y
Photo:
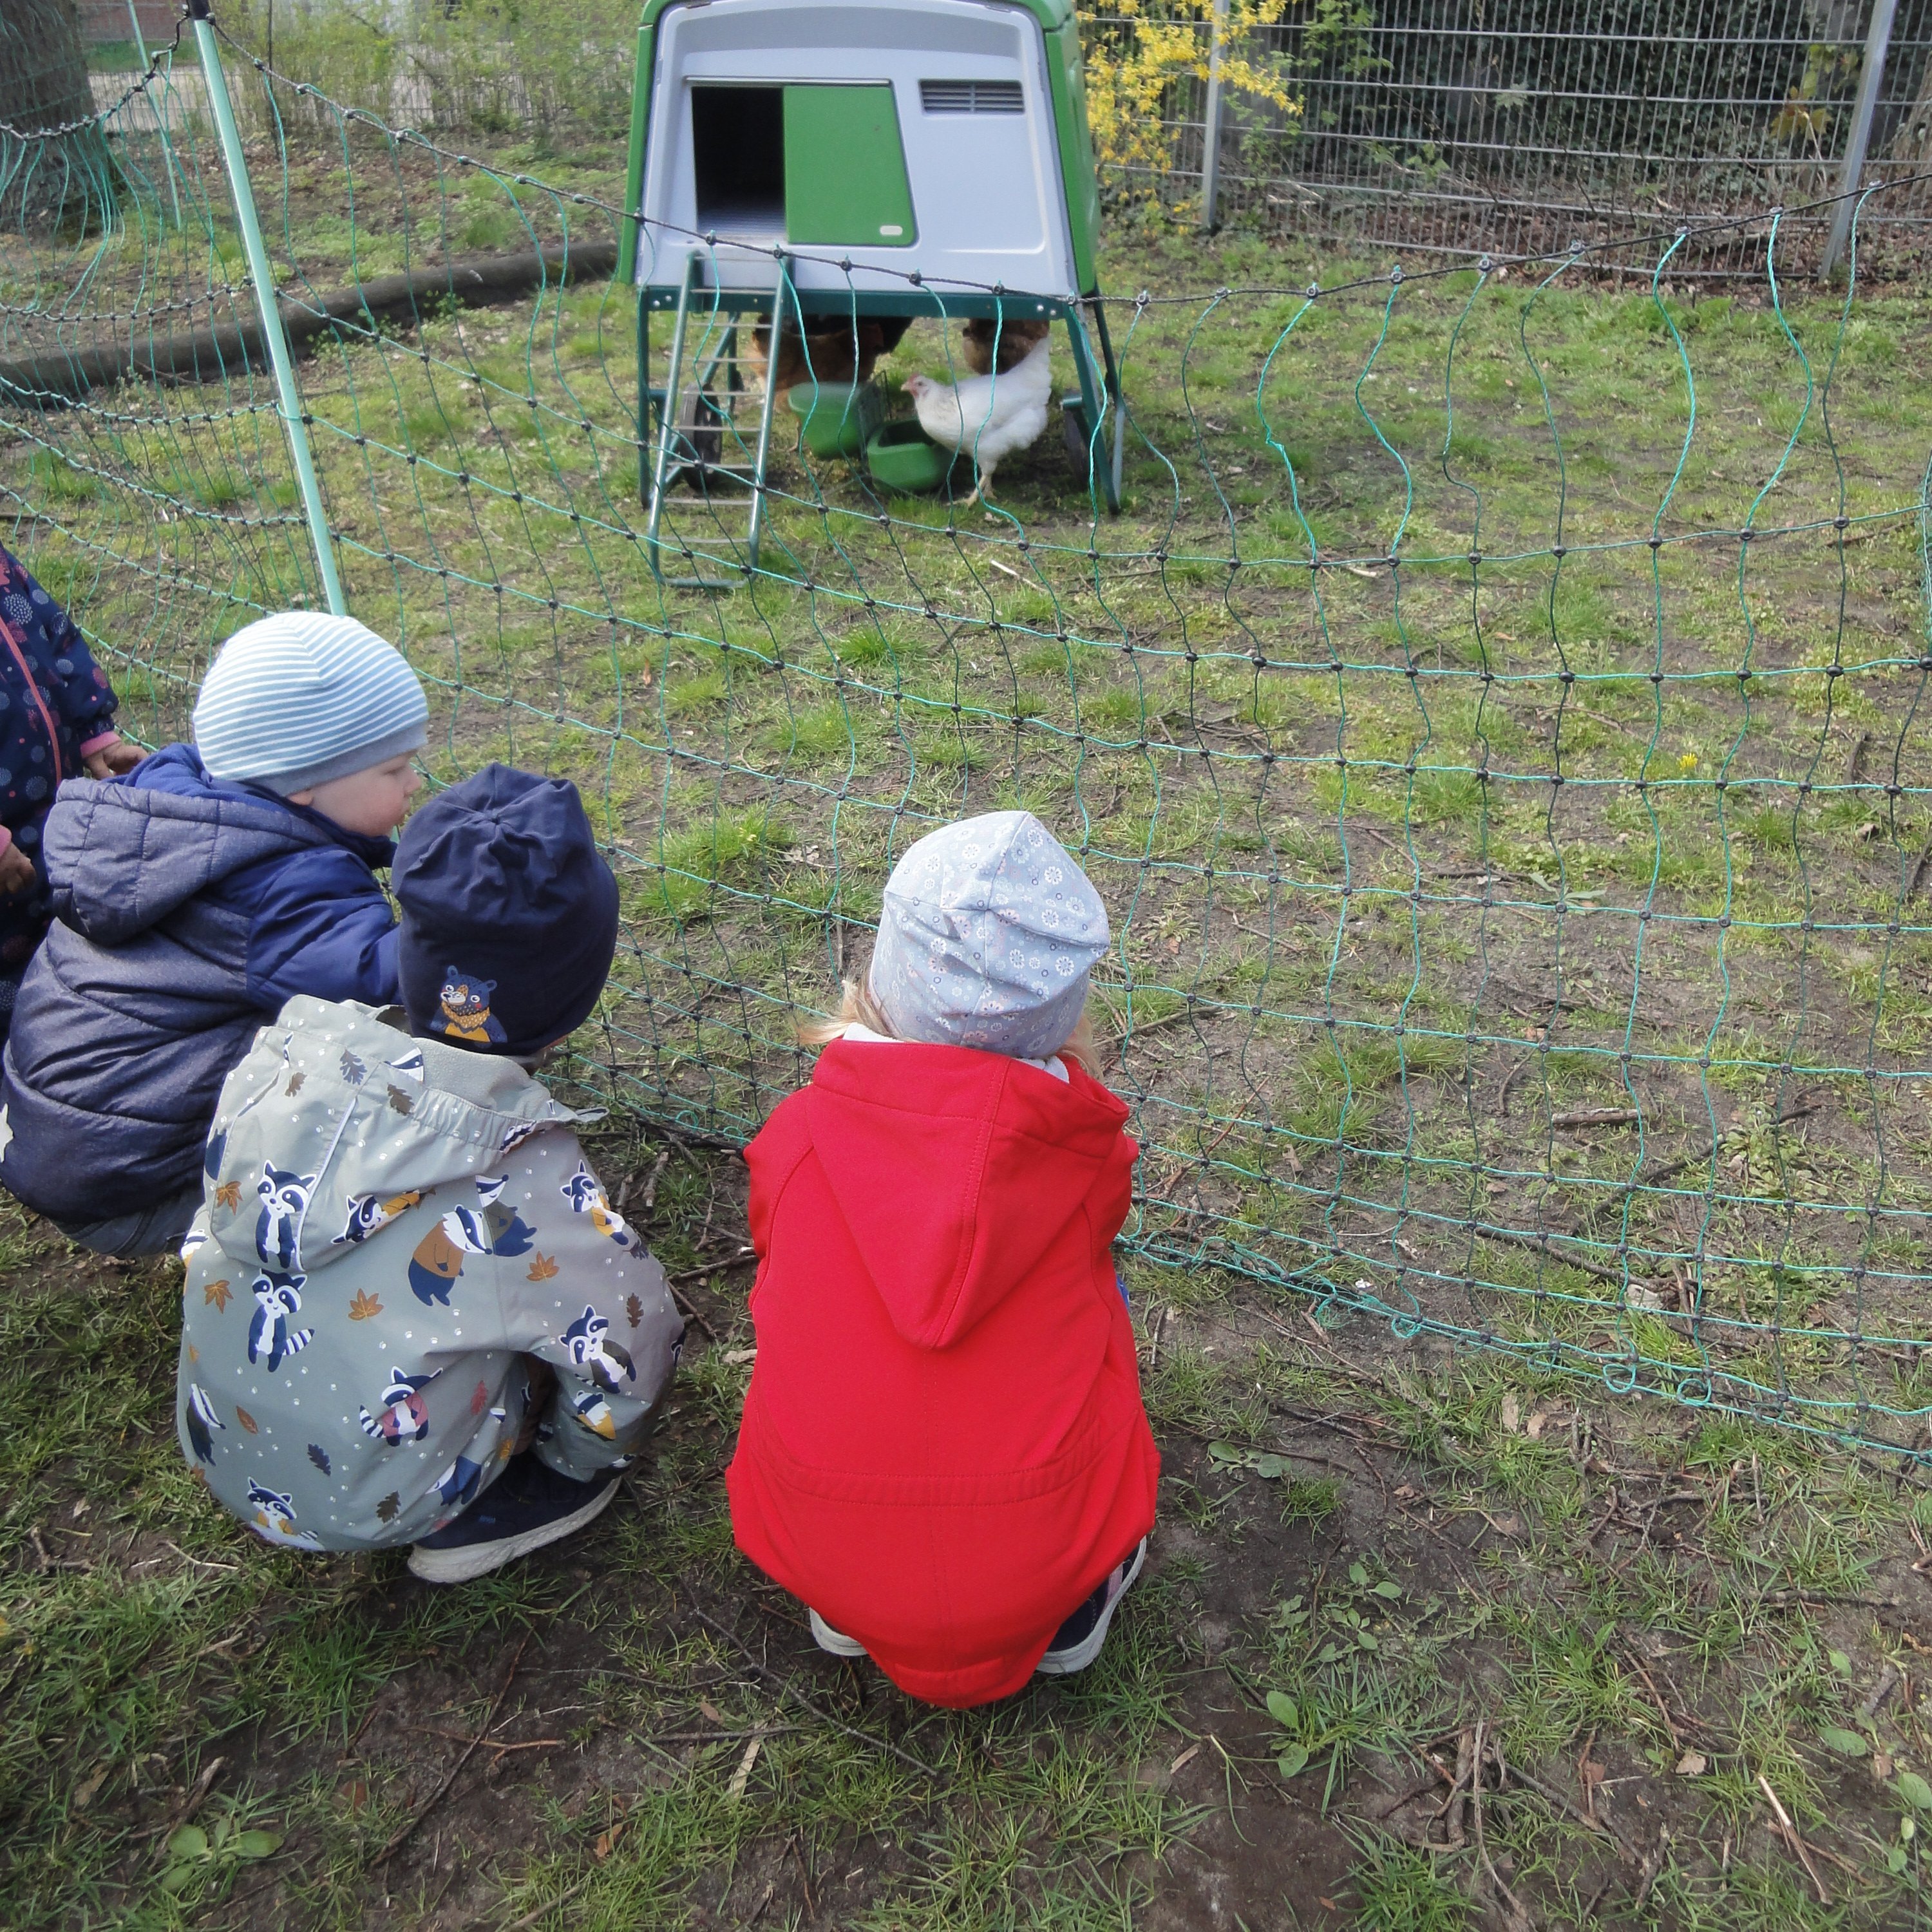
x=55 y=707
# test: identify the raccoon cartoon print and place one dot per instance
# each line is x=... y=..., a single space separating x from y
x=272 y=1335
x=588 y=1343
x=284 y=1195
x=275 y=1519
x=403 y=1416
x=586 y=1194
x=369 y=1213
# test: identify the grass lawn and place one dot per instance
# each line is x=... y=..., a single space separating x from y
x=1418 y=1635
x=1495 y=722
x=1515 y=869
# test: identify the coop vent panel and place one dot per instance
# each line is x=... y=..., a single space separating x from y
x=971 y=97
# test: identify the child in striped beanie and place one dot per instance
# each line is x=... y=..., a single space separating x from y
x=193 y=897
x=319 y=710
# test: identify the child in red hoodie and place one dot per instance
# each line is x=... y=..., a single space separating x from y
x=944 y=1452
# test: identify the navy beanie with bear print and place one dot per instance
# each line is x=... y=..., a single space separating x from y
x=509 y=913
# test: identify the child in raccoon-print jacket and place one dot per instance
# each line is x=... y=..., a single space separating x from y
x=412 y=1315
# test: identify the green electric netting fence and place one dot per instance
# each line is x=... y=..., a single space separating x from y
x=1497 y=720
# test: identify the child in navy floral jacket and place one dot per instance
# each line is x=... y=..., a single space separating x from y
x=56 y=721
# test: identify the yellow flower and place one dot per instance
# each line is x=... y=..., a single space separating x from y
x=1129 y=75
x=1688 y=762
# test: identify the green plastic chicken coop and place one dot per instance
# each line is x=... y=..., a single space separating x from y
x=814 y=169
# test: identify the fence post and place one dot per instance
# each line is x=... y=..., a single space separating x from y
x=1210 y=133
x=235 y=162
x=1871 y=77
x=158 y=106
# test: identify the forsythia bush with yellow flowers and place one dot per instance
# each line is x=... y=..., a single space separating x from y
x=1136 y=51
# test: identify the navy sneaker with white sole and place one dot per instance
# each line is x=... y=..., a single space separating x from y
x=1078 y=1641
x=528 y=1506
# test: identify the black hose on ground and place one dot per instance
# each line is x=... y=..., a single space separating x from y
x=60 y=376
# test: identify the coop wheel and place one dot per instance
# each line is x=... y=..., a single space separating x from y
x=699 y=446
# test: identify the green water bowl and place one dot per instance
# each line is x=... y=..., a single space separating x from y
x=901 y=456
x=839 y=418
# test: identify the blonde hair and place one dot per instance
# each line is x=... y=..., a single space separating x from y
x=859 y=1008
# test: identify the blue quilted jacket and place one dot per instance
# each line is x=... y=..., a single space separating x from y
x=54 y=700
x=188 y=910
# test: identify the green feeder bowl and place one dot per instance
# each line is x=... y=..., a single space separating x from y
x=903 y=457
x=840 y=418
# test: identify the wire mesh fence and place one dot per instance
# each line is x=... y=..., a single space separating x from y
x=1525 y=125
x=1496 y=721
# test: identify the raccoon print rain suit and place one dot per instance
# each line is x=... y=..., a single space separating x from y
x=402 y=1256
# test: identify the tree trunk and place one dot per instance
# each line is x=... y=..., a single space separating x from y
x=43 y=79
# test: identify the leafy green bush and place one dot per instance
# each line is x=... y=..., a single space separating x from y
x=557 y=74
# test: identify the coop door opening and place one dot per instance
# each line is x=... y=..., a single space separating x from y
x=845 y=168
x=738 y=152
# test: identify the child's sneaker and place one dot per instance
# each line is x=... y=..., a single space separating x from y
x=1078 y=1641
x=836 y=1642
x=528 y=1506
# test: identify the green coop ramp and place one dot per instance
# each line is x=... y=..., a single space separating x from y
x=708 y=435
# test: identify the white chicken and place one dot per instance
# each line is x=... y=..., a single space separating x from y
x=986 y=417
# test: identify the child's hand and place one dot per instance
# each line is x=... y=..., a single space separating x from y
x=16 y=872
x=111 y=760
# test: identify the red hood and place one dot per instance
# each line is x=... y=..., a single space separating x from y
x=954 y=1169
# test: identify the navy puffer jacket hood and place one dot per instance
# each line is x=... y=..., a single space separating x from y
x=187 y=911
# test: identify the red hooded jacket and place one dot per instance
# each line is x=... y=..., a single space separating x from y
x=943 y=1449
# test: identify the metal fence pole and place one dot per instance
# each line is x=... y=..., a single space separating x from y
x=1871 y=77
x=294 y=422
x=1210 y=133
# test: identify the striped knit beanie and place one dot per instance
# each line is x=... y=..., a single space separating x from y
x=295 y=699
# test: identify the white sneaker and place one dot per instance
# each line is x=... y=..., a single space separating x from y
x=1078 y=1641
x=836 y=1642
